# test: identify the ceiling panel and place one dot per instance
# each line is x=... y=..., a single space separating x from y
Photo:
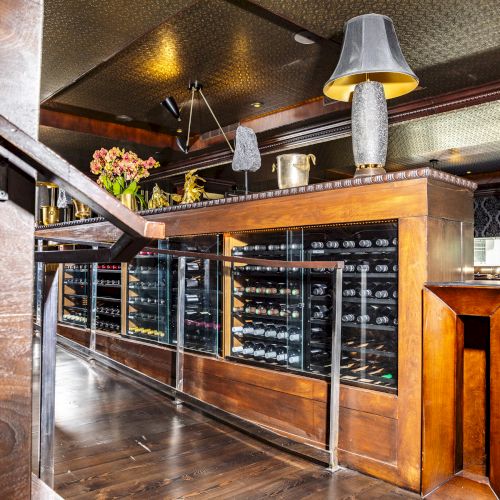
x=239 y=56
x=77 y=148
x=80 y=34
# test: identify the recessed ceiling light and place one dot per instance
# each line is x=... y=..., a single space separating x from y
x=468 y=172
x=257 y=104
x=304 y=37
x=179 y=131
x=124 y=118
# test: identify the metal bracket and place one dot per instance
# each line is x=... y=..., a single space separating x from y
x=4 y=195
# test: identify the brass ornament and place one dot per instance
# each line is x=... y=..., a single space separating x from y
x=159 y=198
x=50 y=215
x=193 y=192
x=129 y=200
x=82 y=211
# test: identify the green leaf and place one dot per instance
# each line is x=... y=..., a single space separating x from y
x=117 y=188
x=141 y=199
x=132 y=188
x=106 y=183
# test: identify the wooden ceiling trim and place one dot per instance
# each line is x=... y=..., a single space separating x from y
x=76 y=123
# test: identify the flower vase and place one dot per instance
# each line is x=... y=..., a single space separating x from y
x=129 y=201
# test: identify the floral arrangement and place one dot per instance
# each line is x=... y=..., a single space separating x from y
x=120 y=172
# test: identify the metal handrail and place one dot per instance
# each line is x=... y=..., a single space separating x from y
x=33 y=158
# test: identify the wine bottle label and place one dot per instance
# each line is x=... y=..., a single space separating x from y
x=350 y=292
x=382 y=320
x=281 y=357
x=363 y=318
x=294 y=337
x=381 y=268
x=248 y=350
x=259 y=352
x=270 y=355
x=381 y=294
x=237 y=349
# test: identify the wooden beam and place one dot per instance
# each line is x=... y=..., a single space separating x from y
x=86 y=125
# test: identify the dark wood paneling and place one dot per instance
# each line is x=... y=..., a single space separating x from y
x=494 y=472
x=157 y=362
x=368 y=435
x=78 y=335
x=67 y=121
x=439 y=393
x=455 y=204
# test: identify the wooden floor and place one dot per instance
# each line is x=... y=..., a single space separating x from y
x=118 y=439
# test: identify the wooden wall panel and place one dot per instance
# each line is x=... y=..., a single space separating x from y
x=450 y=202
x=439 y=393
x=79 y=335
x=157 y=362
x=369 y=435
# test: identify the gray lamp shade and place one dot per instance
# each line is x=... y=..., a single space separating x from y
x=370 y=51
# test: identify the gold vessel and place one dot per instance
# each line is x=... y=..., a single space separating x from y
x=50 y=214
x=293 y=169
x=129 y=200
x=82 y=211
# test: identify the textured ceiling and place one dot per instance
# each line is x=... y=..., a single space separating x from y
x=81 y=34
x=122 y=57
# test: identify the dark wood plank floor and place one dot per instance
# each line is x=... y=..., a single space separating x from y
x=118 y=439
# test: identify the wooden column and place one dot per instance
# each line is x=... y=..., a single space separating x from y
x=20 y=56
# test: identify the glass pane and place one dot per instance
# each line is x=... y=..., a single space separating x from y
x=146 y=297
x=369 y=303
x=108 y=297
x=75 y=301
x=202 y=320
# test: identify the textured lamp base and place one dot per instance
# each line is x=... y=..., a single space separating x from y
x=369 y=128
x=368 y=170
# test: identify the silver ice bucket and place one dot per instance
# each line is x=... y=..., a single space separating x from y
x=293 y=169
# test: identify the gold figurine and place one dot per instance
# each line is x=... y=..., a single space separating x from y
x=159 y=198
x=193 y=192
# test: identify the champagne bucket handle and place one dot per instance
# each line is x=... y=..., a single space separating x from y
x=311 y=157
x=274 y=167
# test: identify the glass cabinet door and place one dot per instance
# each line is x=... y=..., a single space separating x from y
x=75 y=294
x=369 y=303
x=202 y=294
x=147 y=297
x=108 y=288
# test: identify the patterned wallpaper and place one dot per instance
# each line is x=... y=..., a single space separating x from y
x=487 y=216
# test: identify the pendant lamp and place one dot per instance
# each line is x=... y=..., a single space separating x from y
x=370 y=70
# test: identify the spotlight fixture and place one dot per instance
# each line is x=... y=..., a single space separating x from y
x=257 y=104
x=305 y=37
x=170 y=104
x=468 y=172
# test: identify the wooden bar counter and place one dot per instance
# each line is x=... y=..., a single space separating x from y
x=380 y=433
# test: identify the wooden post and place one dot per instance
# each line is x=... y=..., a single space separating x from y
x=20 y=57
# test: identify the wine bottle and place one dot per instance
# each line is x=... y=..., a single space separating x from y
x=383 y=291
x=248 y=349
x=237 y=349
x=332 y=244
x=382 y=266
x=364 y=267
x=319 y=355
x=247 y=328
x=349 y=290
x=259 y=329
x=270 y=332
x=370 y=314
x=282 y=333
x=395 y=241
x=294 y=334
x=385 y=316
x=349 y=244
x=349 y=315
x=281 y=355
x=318 y=334
x=238 y=309
x=270 y=354
x=364 y=292
x=295 y=313
x=365 y=243
x=293 y=357
x=382 y=242
x=317 y=244
x=319 y=289
x=259 y=351
x=320 y=311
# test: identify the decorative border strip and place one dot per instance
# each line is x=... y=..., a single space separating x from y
x=403 y=175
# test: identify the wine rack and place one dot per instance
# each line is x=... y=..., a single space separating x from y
x=75 y=294
x=287 y=315
x=108 y=297
x=147 y=297
x=202 y=294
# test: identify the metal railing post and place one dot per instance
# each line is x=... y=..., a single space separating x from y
x=47 y=375
x=335 y=370
x=181 y=308
x=92 y=309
